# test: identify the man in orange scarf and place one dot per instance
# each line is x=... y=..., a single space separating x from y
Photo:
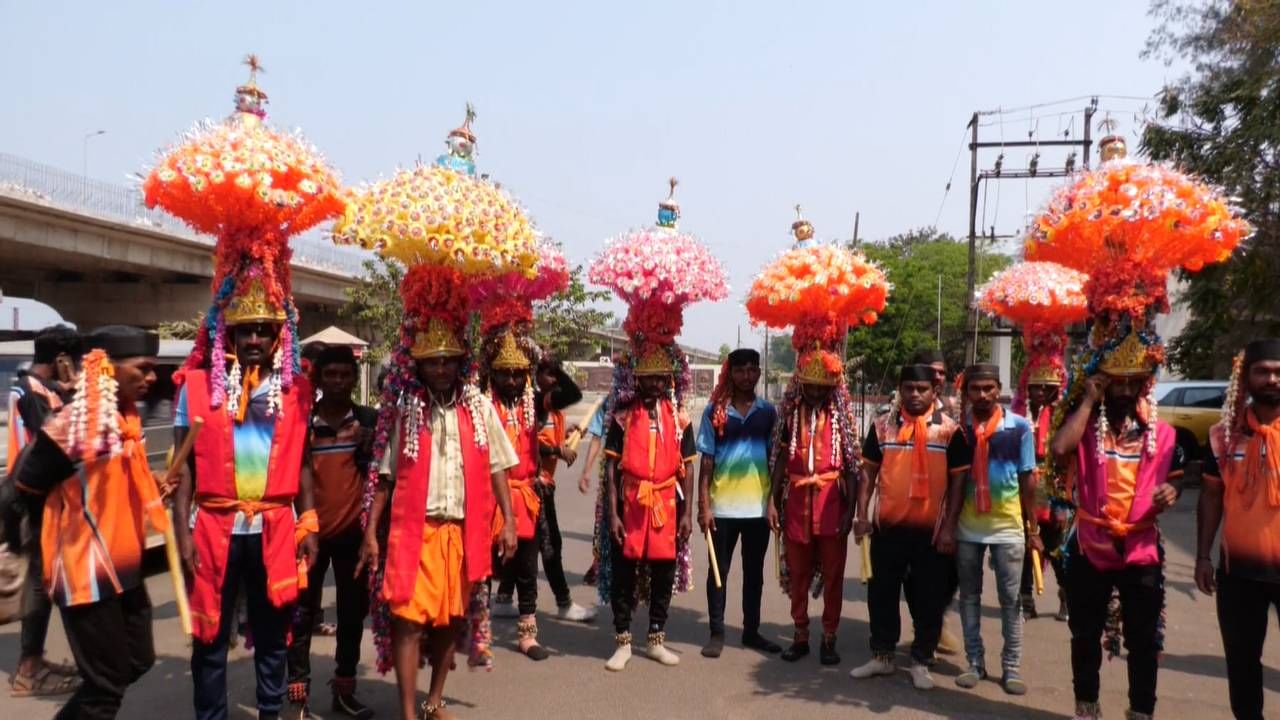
x=89 y=462
x=1241 y=493
x=912 y=457
x=993 y=511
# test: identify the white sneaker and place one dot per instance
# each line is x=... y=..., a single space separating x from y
x=657 y=650
x=506 y=610
x=920 y=676
x=573 y=612
x=873 y=667
x=621 y=656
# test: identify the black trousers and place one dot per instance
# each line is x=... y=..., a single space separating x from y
x=1141 y=590
x=1243 y=606
x=111 y=642
x=37 y=608
x=343 y=551
x=551 y=547
x=755 y=545
x=906 y=561
x=662 y=580
x=521 y=573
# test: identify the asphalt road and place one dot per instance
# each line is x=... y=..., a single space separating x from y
x=741 y=684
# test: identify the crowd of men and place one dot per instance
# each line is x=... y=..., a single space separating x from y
x=934 y=487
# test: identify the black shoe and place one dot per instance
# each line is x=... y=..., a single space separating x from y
x=351 y=707
x=589 y=577
x=537 y=652
x=827 y=654
x=756 y=641
x=797 y=650
x=714 y=646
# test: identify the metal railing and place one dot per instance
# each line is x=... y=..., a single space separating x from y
x=23 y=178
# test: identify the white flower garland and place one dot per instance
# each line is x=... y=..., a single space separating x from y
x=234 y=388
x=275 y=399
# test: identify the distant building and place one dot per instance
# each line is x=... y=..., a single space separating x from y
x=605 y=342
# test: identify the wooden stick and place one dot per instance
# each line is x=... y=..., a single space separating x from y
x=777 y=556
x=866 y=559
x=575 y=437
x=1037 y=572
x=176 y=575
x=715 y=565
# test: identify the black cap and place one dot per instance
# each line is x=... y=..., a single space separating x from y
x=123 y=341
x=916 y=373
x=743 y=356
x=1266 y=349
x=982 y=371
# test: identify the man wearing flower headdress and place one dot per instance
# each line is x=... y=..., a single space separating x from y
x=649 y=454
x=556 y=390
x=814 y=478
x=247 y=477
x=447 y=451
x=89 y=463
x=1053 y=510
x=1241 y=493
x=1124 y=461
x=507 y=366
x=912 y=458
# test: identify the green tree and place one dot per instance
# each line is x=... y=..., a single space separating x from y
x=1219 y=121
x=724 y=351
x=915 y=262
x=373 y=304
x=563 y=320
x=782 y=357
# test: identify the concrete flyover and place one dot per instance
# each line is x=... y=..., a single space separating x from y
x=96 y=255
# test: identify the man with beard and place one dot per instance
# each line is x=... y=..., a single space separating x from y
x=1124 y=460
x=1053 y=502
x=820 y=481
x=249 y=473
x=987 y=513
x=914 y=454
x=1241 y=493
x=649 y=453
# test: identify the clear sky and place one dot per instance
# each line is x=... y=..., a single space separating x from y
x=585 y=108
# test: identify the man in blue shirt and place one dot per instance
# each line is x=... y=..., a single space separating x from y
x=733 y=490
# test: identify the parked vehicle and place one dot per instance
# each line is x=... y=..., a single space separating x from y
x=1191 y=407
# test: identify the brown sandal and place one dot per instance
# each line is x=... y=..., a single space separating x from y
x=44 y=683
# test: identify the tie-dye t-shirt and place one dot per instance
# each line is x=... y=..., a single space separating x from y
x=740 y=485
x=252 y=441
x=1010 y=450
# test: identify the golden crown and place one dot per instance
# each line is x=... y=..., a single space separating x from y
x=654 y=362
x=251 y=305
x=813 y=371
x=1130 y=357
x=1044 y=374
x=510 y=356
x=439 y=340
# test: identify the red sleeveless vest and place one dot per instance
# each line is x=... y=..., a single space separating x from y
x=650 y=521
x=409 y=511
x=215 y=478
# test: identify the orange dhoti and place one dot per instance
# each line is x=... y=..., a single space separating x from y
x=440 y=593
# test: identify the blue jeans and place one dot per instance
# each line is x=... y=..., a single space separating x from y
x=1006 y=560
x=269 y=624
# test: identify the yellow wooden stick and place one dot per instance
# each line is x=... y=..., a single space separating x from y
x=715 y=566
x=576 y=436
x=777 y=556
x=170 y=539
x=866 y=559
x=1037 y=572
